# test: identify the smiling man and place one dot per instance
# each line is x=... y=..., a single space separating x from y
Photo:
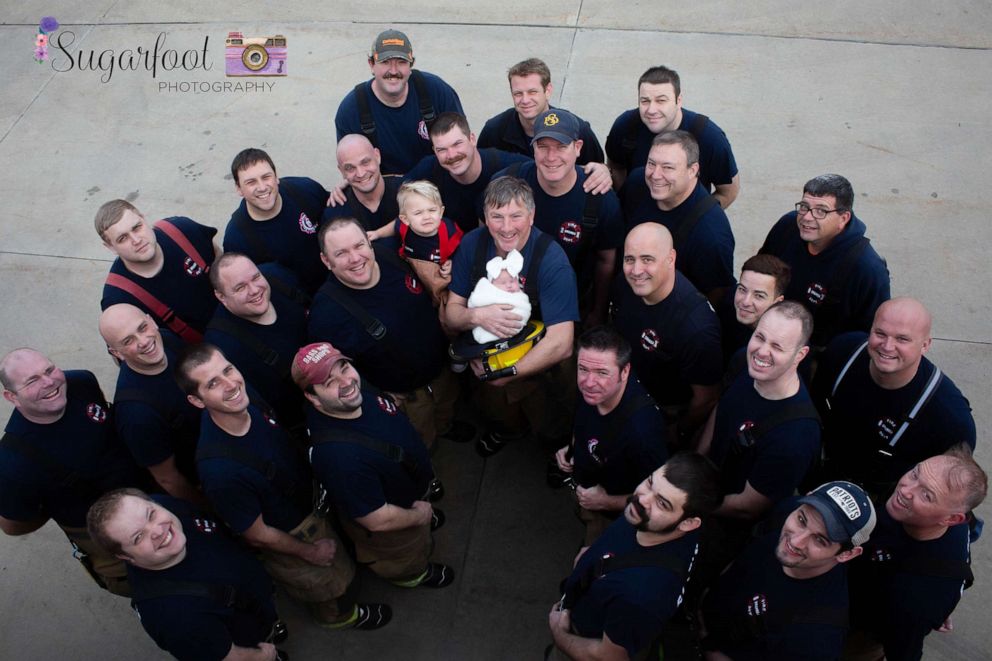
x=160 y=268
x=764 y=434
x=257 y=481
x=185 y=567
x=59 y=452
x=918 y=560
x=885 y=406
x=659 y=108
x=367 y=195
x=277 y=219
x=518 y=403
x=630 y=582
x=395 y=109
x=835 y=271
x=374 y=467
x=374 y=307
x=762 y=283
x=151 y=413
x=667 y=191
x=672 y=329
x=531 y=90
x=261 y=321
x=786 y=596
x=618 y=436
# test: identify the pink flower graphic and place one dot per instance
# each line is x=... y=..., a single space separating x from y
x=41 y=40
x=41 y=53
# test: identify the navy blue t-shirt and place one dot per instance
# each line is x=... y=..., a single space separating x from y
x=387 y=211
x=716 y=158
x=240 y=493
x=629 y=605
x=780 y=458
x=755 y=594
x=669 y=360
x=707 y=256
x=358 y=479
x=864 y=286
x=863 y=417
x=153 y=433
x=504 y=131
x=401 y=134
x=900 y=604
x=463 y=203
x=556 y=279
x=284 y=336
x=561 y=218
x=620 y=463
x=201 y=628
x=414 y=348
x=83 y=441
x=289 y=238
x=181 y=285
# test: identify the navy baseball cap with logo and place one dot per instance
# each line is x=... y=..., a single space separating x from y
x=391 y=44
x=558 y=124
x=846 y=510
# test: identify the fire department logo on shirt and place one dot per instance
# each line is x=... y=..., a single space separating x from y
x=591 y=445
x=204 y=525
x=886 y=428
x=436 y=255
x=757 y=605
x=422 y=130
x=192 y=268
x=881 y=555
x=816 y=293
x=570 y=232
x=386 y=405
x=306 y=225
x=412 y=284
x=650 y=340
x=96 y=412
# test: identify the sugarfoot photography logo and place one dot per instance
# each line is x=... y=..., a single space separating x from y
x=254 y=56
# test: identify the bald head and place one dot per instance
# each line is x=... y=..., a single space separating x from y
x=910 y=310
x=34 y=385
x=649 y=262
x=358 y=162
x=132 y=336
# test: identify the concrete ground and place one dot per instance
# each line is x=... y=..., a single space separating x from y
x=894 y=95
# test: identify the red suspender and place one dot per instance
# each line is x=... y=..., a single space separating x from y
x=180 y=240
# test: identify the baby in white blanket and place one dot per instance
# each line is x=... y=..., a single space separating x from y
x=501 y=286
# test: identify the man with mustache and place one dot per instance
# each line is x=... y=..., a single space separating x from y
x=59 y=453
x=835 y=271
x=260 y=322
x=629 y=583
x=786 y=595
x=160 y=268
x=258 y=482
x=151 y=413
x=375 y=469
x=277 y=219
x=395 y=109
x=531 y=90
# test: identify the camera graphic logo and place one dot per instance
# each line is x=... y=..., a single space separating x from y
x=254 y=56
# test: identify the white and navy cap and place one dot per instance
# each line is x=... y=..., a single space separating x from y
x=846 y=509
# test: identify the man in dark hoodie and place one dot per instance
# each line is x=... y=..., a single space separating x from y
x=835 y=271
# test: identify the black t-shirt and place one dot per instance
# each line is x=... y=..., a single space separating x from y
x=197 y=627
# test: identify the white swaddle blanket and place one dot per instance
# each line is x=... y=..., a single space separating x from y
x=486 y=293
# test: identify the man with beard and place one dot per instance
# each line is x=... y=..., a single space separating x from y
x=630 y=582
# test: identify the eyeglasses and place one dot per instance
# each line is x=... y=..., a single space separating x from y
x=802 y=209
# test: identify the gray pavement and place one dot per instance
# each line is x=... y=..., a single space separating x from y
x=894 y=95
